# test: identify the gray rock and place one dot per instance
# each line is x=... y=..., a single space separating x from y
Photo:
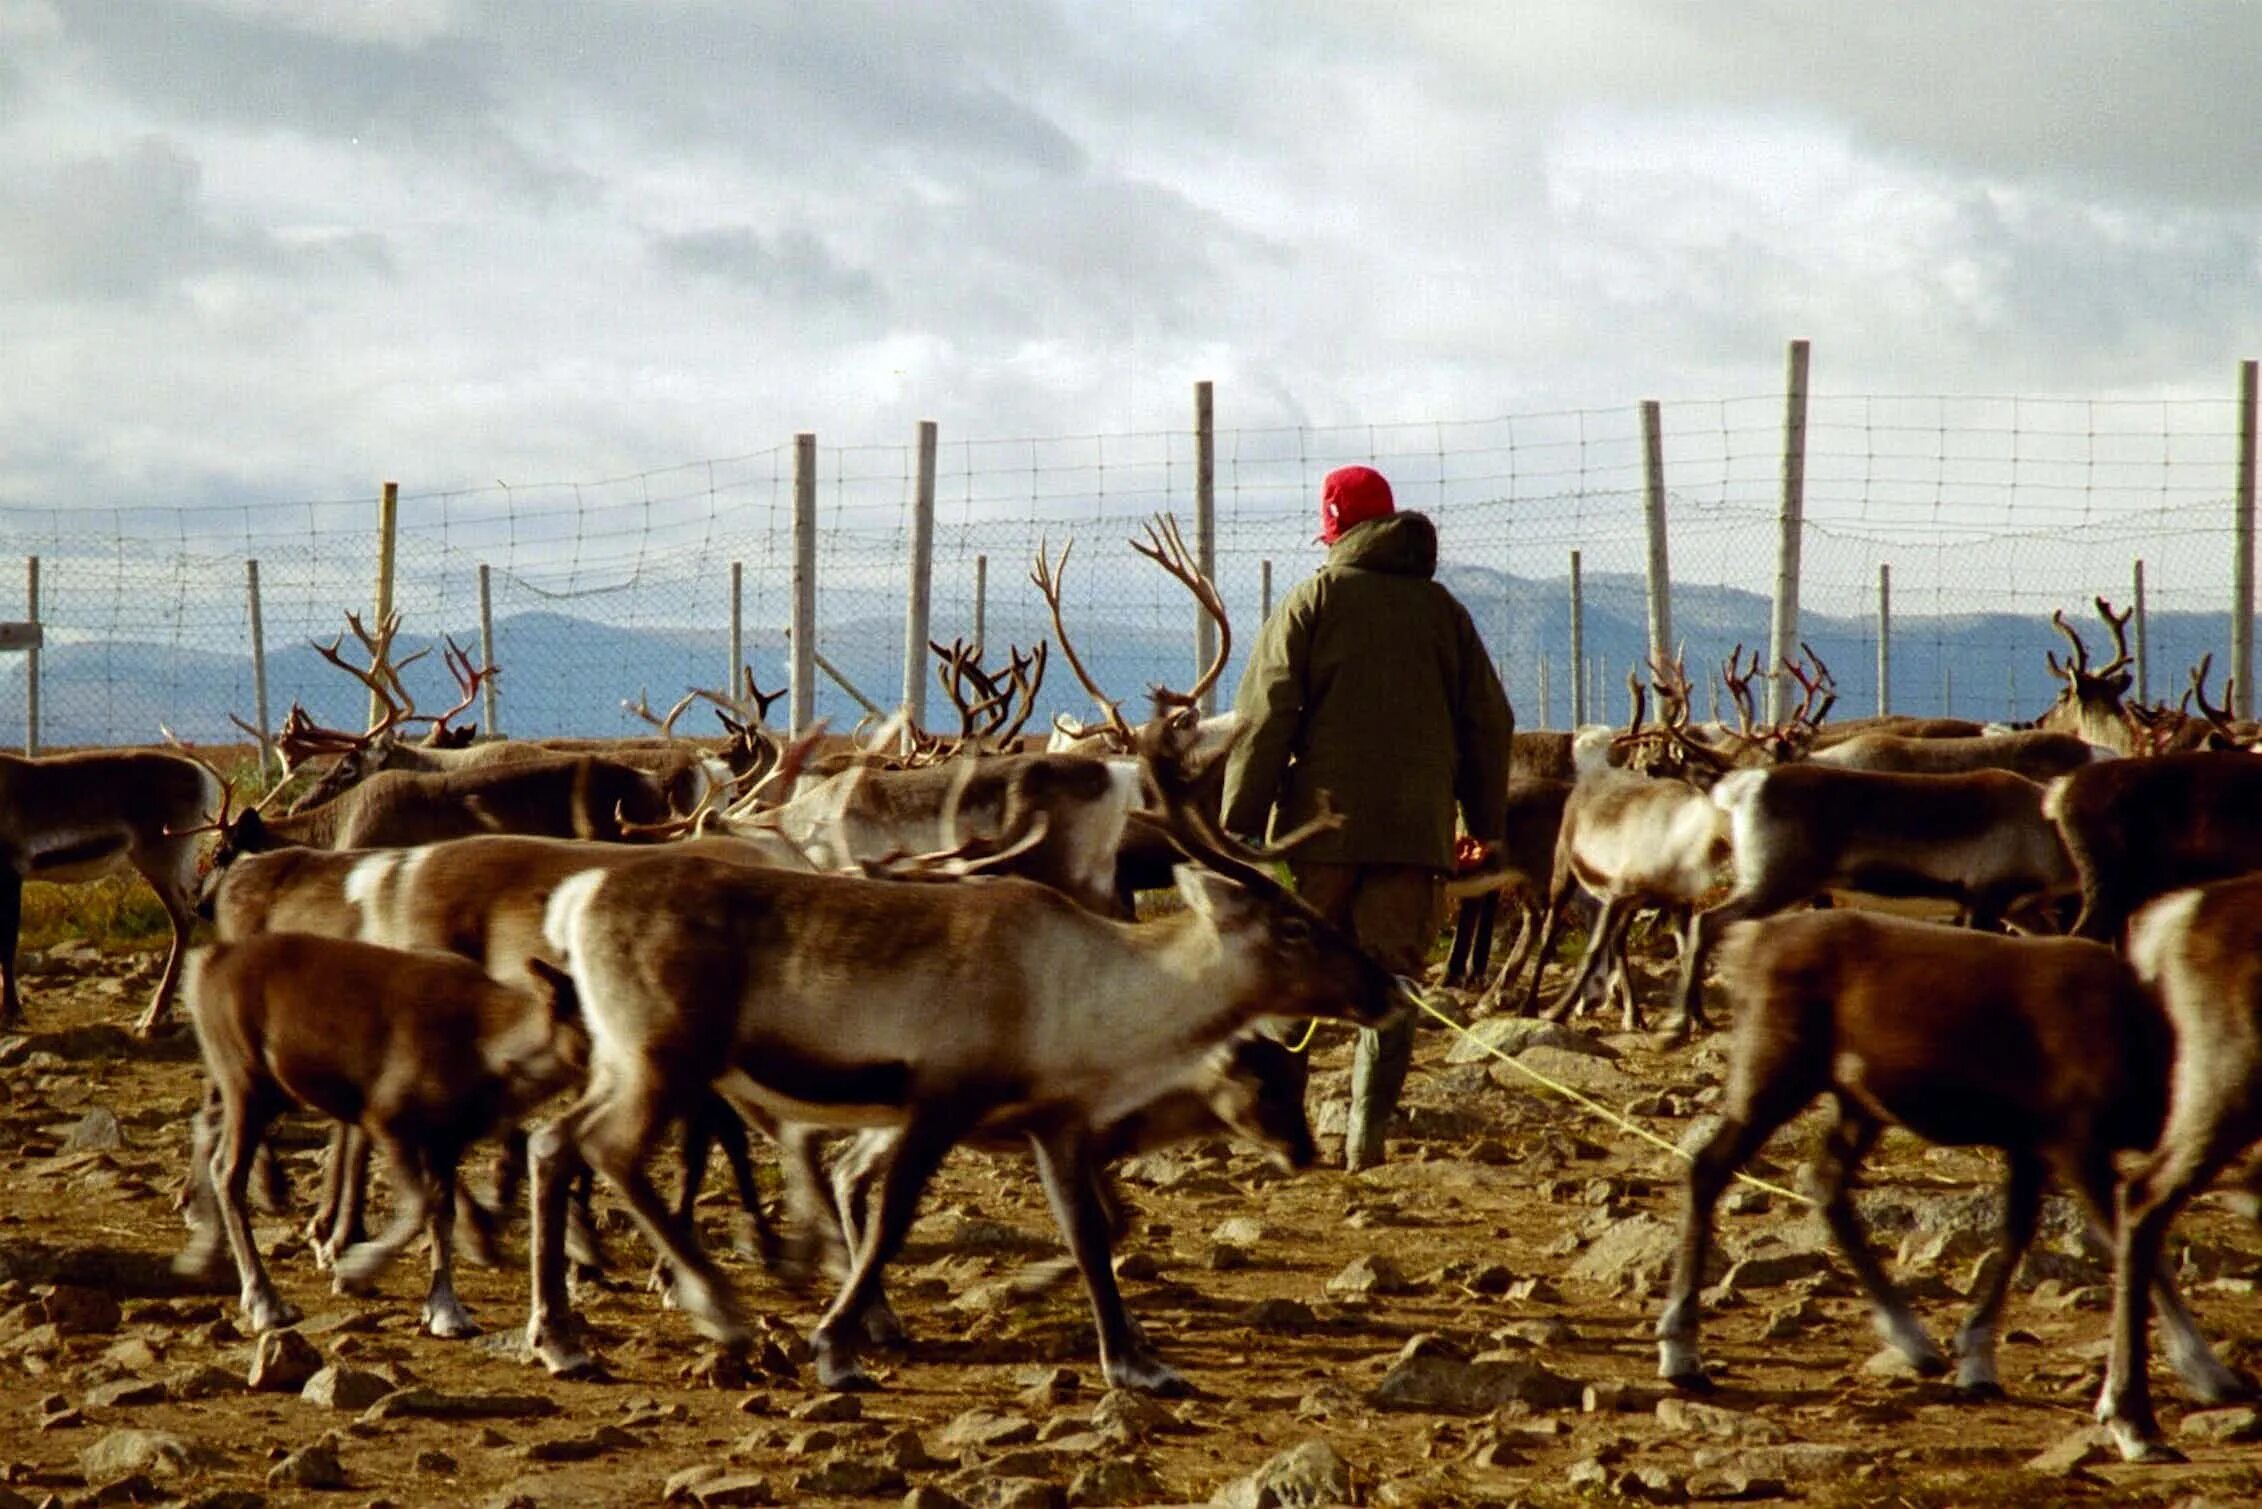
x=77 y=1311
x=1122 y=1415
x=1581 y=1071
x=829 y=1409
x=126 y=1393
x=1374 y=1273
x=1774 y=1270
x=2242 y=1423
x=1128 y=1480
x=713 y=1488
x=431 y=1404
x=282 y=1362
x=1447 y=1385
x=1279 y=1315
x=1634 y=1253
x=1303 y=1477
x=1242 y=1231
x=846 y=1477
x=346 y=1388
x=1729 y=1487
x=2072 y=1455
x=95 y=1132
x=153 y=1452
x=1792 y=1460
x=1695 y=1417
x=927 y=1496
x=987 y=1430
x=1513 y=1034
x=315 y=1466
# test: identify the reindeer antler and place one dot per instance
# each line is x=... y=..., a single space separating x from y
x=1046 y=575
x=215 y=823
x=641 y=709
x=1166 y=547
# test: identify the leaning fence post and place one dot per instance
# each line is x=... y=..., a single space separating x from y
x=1660 y=569
x=488 y=718
x=918 y=612
x=1884 y=638
x=2143 y=645
x=1790 y=525
x=258 y=666
x=31 y=657
x=388 y=535
x=1544 y=700
x=2242 y=568
x=1578 y=647
x=804 y=626
x=1205 y=529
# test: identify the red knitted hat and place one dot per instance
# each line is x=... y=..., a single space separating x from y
x=1351 y=496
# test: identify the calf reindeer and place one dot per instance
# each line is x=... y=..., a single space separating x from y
x=76 y=817
x=2048 y=1048
x=813 y=999
x=423 y=1053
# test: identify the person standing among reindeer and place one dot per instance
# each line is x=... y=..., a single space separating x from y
x=1370 y=684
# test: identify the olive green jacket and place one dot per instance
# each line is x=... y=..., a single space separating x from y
x=1370 y=683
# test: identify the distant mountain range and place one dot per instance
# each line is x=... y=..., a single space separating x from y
x=564 y=674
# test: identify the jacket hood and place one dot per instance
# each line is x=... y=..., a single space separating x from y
x=1404 y=544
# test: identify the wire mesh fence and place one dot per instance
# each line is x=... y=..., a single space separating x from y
x=1991 y=512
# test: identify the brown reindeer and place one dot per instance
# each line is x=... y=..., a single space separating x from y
x=77 y=817
x=2090 y=706
x=2136 y=829
x=423 y=1052
x=812 y=998
x=2048 y=1048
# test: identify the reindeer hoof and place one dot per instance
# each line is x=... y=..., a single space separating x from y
x=846 y=1377
x=1984 y=1390
x=882 y=1327
x=269 y=1313
x=2140 y=1443
x=562 y=1354
x=205 y=1265
x=1148 y=1375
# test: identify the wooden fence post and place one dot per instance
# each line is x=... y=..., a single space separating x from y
x=1578 y=647
x=1790 y=527
x=737 y=627
x=918 y=612
x=804 y=626
x=1205 y=528
x=2143 y=641
x=2242 y=568
x=388 y=537
x=31 y=658
x=981 y=603
x=489 y=697
x=1660 y=567
x=1884 y=638
x=258 y=666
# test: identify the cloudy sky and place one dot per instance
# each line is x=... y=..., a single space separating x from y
x=257 y=249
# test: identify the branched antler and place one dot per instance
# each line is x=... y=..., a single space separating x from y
x=1166 y=547
x=1046 y=575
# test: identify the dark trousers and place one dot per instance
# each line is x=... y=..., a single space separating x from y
x=1393 y=911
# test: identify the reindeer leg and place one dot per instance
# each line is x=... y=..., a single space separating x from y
x=1766 y=1088
x=2209 y=1122
x=207 y=1256
x=407 y=1167
x=616 y=1135
x=698 y=1142
x=930 y=1133
x=349 y=1157
x=444 y=1314
x=1465 y=923
x=1610 y=921
x=11 y=930
x=854 y=1175
x=244 y=1119
x=1065 y=1169
x=1975 y=1338
x=173 y=893
x=552 y=1329
x=1705 y=929
x=738 y=1152
x=1843 y=1147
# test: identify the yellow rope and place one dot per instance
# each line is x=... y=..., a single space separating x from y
x=1596 y=1106
x=1311 y=1030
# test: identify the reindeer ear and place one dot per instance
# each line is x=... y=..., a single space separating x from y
x=1221 y=900
x=565 y=1002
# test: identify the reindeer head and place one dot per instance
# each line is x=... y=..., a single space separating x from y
x=1296 y=962
x=1256 y=1089
x=2090 y=703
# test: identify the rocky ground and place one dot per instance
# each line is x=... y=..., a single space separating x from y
x=1467 y=1325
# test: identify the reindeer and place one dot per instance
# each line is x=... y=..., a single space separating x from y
x=812 y=998
x=2196 y=950
x=77 y=817
x=2048 y=1048
x=1979 y=838
x=2136 y=829
x=2089 y=706
x=2037 y=754
x=423 y=1053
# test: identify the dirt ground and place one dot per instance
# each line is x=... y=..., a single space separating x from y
x=1508 y=1225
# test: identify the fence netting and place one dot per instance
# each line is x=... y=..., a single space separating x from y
x=1990 y=512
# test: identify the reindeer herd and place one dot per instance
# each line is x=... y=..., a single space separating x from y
x=874 y=947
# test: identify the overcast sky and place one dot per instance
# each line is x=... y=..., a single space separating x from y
x=260 y=249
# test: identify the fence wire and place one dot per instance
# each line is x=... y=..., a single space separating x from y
x=1991 y=512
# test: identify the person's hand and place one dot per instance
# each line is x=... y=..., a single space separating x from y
x=1470 y=854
